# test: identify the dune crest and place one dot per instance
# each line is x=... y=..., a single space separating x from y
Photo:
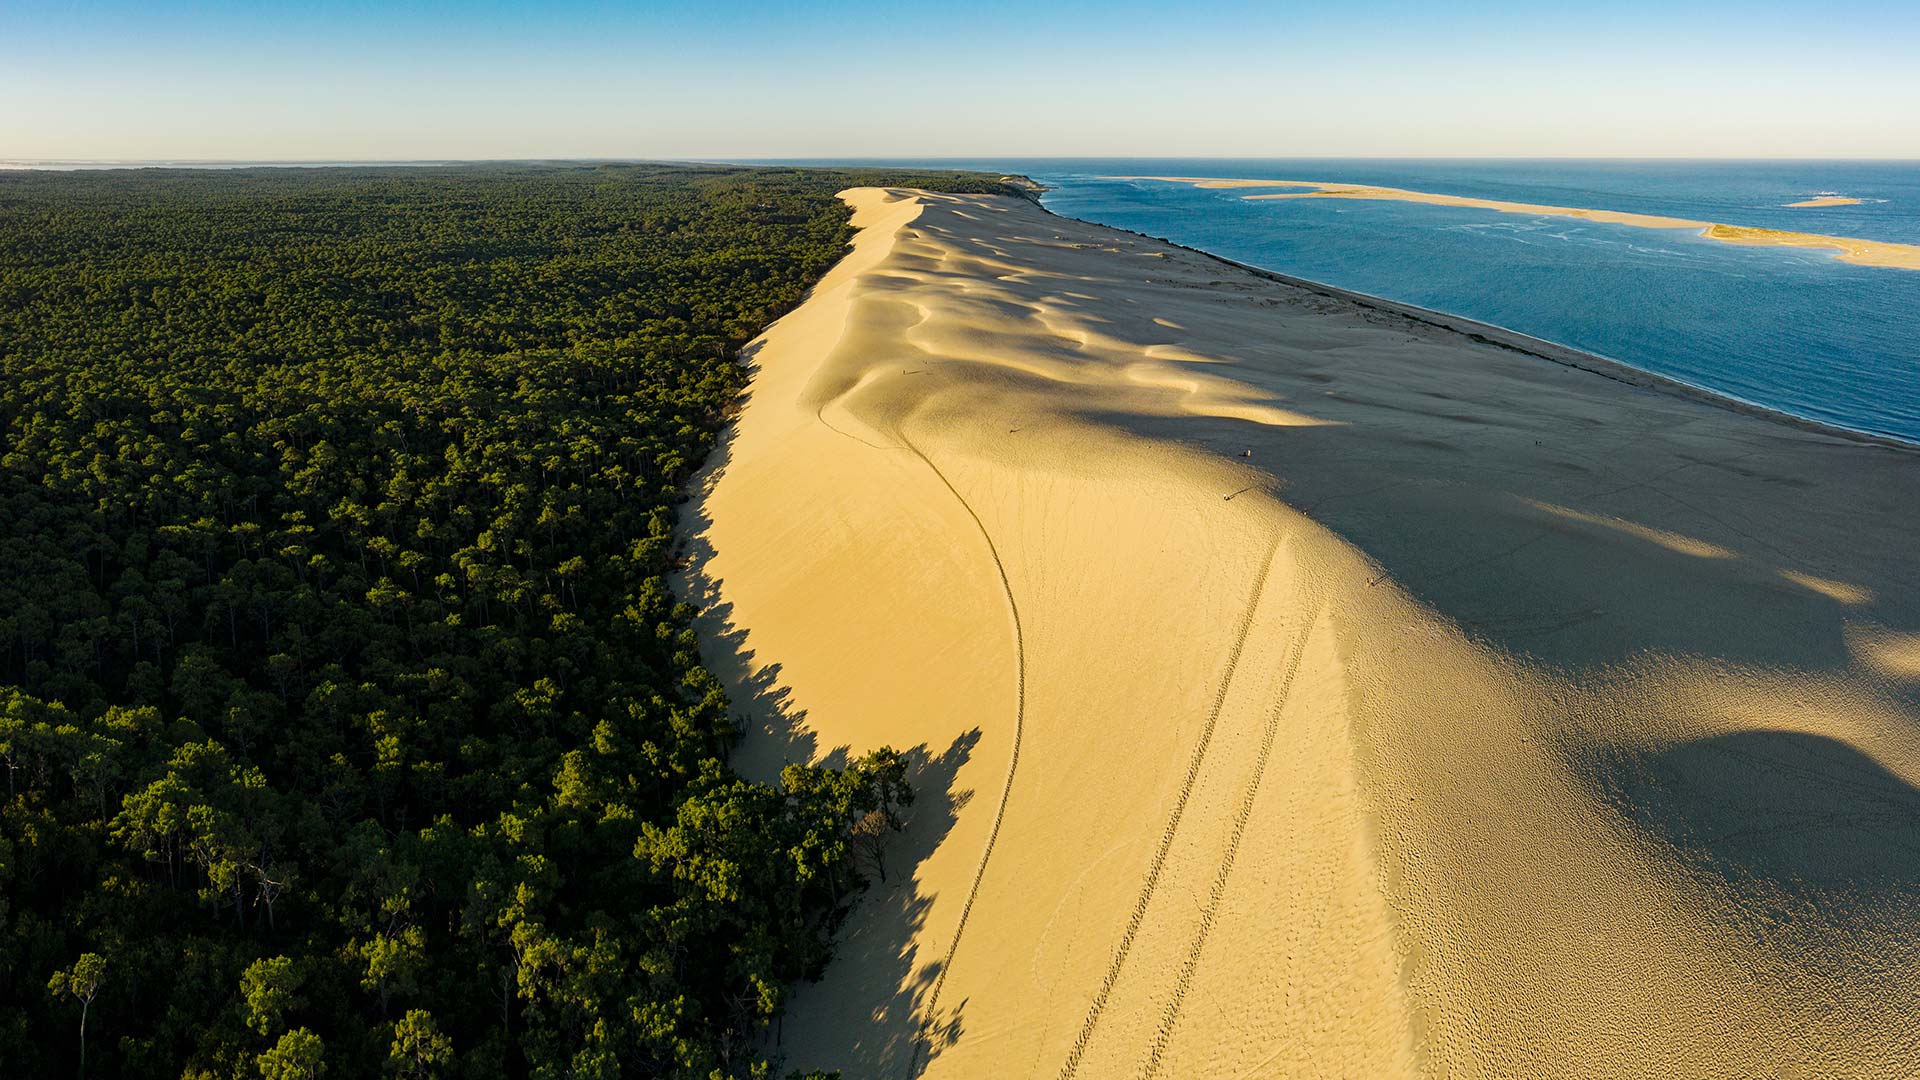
x=1298 y=688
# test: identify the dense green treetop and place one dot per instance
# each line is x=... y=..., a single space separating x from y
x=349 y=727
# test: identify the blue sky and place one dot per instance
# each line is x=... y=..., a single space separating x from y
x=486 y=79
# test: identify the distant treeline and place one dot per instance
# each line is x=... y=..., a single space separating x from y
x=348 y=725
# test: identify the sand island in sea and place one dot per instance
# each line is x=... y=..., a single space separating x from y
x=1862 y=252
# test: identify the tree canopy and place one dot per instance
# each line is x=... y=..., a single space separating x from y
x=349 y=725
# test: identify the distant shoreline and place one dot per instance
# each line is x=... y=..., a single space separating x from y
x=1568 y=356
x=1541 y=348
x=1877 y=253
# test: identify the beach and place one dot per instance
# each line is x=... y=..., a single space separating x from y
x=1301 y=686
x=1860 y=252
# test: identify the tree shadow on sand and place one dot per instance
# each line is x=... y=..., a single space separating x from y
x=773 y=731
x=867 y=1020
x=871 y=1011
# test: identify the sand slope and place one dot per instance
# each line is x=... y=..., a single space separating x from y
x=1492 y=718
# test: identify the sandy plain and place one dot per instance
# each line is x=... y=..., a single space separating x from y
x=1299 y=689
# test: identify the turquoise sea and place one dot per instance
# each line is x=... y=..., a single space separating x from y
x=1791 y=329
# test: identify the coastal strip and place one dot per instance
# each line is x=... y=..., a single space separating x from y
x=1879 y=253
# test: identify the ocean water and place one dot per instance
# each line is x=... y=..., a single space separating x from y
x=1791 y=329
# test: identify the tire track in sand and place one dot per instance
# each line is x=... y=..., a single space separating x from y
x=1170 y=1017
x=931 y=1013
x=1159 y=861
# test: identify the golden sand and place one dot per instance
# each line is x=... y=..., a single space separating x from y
x=1826 y=200
x=1297 y=689
x=1863 y=252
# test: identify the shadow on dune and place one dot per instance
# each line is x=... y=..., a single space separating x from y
x=773 y=731
x=872 y=1016
x=879 y=980
x=1797 y=815
x=1582 y=575
x=1553 y=513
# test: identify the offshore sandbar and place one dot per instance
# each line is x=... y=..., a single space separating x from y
x=1879 y=253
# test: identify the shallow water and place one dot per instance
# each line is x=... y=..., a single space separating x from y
x=1791 y=329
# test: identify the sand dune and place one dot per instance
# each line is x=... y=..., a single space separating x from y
x=1301 y=690
x=1862 y=252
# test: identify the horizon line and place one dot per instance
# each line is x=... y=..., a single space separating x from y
x=745 y=159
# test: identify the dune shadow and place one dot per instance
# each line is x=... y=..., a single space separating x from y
x=1799 y=815
x=1541 y=552
x=1551 y=512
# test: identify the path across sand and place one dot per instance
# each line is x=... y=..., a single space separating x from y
x=1298 y=689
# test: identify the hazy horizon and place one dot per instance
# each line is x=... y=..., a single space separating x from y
x=930 y=161
x=353 y=80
